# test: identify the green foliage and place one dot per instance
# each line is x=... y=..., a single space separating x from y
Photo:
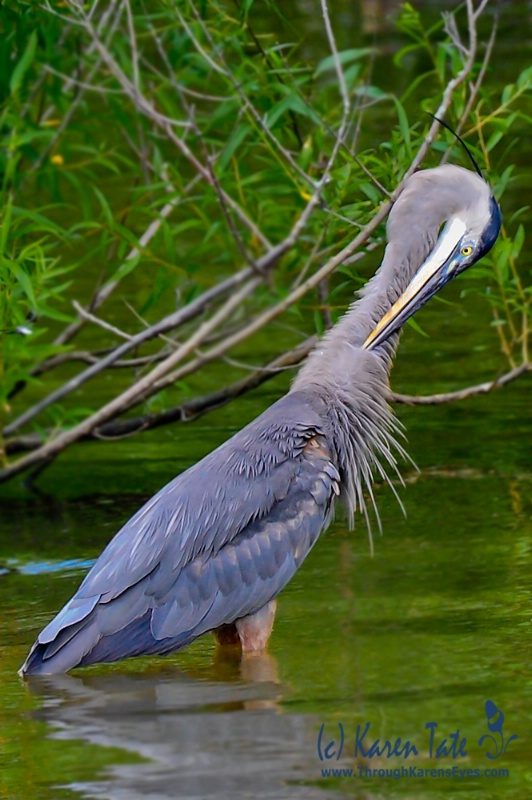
x=127 y=190
x=32 y=281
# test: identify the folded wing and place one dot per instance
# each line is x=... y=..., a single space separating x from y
x=215 y=545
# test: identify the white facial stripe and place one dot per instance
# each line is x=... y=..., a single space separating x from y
x=451 y=235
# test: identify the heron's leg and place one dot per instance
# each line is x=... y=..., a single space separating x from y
x=254 y=631
x=251 y=633
x=227 y=635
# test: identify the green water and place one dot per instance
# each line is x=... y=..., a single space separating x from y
x=434 y=625
x=426 y=631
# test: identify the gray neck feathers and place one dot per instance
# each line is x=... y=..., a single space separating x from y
x=353 y=382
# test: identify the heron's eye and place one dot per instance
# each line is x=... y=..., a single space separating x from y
x=466 y=250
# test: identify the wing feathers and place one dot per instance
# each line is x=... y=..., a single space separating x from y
x=215 y=545
x=75 y=611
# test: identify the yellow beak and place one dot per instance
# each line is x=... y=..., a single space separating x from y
x=430 y=277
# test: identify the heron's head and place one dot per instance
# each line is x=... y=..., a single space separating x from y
x=461 y=200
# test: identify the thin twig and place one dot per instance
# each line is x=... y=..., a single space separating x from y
x=130 y=396
x=336 y=58
x=185 y=412
x=85 y=85
x=168 y=323
x=475 y=88
x=461 y=394
x=133 y=45
x=480 y=9
x=100 y=322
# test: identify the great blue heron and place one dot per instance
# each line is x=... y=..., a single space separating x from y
x=213 y=549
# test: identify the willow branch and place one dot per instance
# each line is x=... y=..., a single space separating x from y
x=143 y=105
x=192 y=409
x=101 y=323
x=186 y=412
x=163 y=326
x=125 y=400
x=461 y=394
x=247 y=104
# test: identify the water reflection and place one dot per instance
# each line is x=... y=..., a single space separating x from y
x=219 y=735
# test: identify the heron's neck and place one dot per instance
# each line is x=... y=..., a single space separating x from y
x=351 y=383
x=342 y=348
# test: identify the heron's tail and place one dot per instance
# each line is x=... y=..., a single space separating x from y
x=66 y=640
x=89 y=641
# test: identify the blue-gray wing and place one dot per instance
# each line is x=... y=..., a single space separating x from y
x=214 y=545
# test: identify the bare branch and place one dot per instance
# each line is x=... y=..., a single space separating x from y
x=93 y=358
x=100 y=322
x=168 y=323
x=131 y=395
x=192 y=409
x=337 y=63
x=461 y=394
x=186 y=412
x=133 y=46
x=482 y=5
x=212 y=63
x=86 y=85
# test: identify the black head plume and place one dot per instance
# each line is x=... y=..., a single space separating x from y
x=464 y=145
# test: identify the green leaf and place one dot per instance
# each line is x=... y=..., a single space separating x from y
x=494 y=139
x=351 y=75
x=398 y=57
x=24 y=63
x=125 y=268
x=25 y=282
x=404 y=127
x=54 y=313
x=372 y=92
x=417 y=327
x=108 y=214
x=525 y=78
x=164 y=281
x=345 y=57
x=291 y=103
x=518 y=242
x=318 y=323
x=507 y=93
x=235 y=140
x=246 y=6
x=6 y=223
x=371 y=192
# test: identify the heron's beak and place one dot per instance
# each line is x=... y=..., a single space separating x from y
x=434 y=273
